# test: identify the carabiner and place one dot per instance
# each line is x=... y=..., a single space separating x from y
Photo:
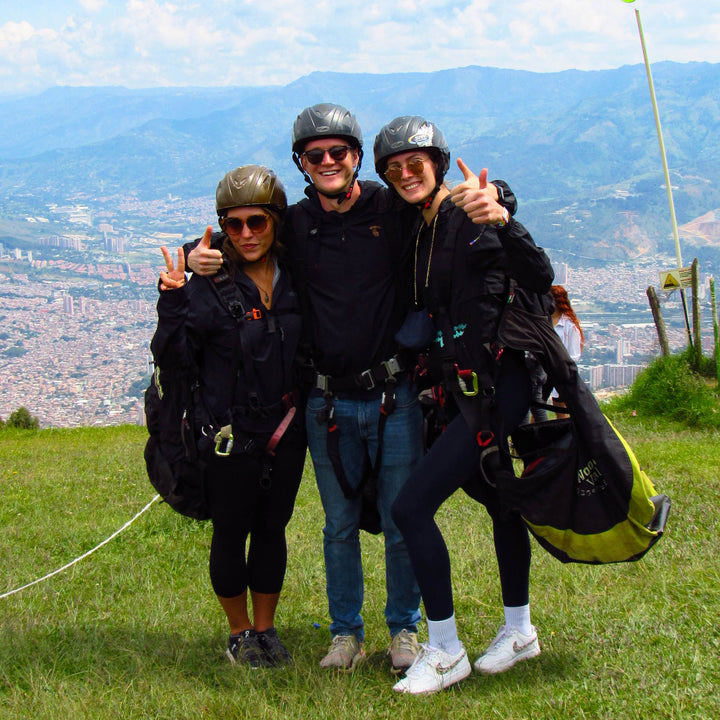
x=462 y=375
x=225 y=437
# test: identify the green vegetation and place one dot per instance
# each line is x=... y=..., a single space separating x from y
x=670 y=388
x=133 y=630
x=23 y=420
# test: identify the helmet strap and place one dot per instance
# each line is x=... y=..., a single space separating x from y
x=428 y=201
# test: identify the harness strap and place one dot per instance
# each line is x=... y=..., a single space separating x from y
x=327 y=416
x=366 y=380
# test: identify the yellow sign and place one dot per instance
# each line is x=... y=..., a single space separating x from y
x=677 y=278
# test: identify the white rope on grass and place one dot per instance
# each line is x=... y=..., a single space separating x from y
x=82 y=557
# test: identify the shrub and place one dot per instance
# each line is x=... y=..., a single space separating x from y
x=22 y=419
x=669 y=387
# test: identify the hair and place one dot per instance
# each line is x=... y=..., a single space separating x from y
x=563 y=306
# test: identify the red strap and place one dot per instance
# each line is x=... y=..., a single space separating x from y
x=280 y=431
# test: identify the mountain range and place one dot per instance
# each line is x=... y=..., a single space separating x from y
x=579 y=149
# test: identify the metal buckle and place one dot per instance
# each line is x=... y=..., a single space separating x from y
x=392 y=367
x=367 y=379
x=322 y=382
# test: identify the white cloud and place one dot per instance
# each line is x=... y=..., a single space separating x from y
x=92 y=6
x=187 y=42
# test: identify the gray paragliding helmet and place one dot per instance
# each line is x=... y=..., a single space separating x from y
x=326 y=120
x=405 y=134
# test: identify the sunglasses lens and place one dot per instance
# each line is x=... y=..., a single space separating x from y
x=393 y=174
x=337 y=153
x=257 y=223
x=416 y=167
x=315 y=157
x=232 y=225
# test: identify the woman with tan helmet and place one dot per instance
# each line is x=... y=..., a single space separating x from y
x=241 y=329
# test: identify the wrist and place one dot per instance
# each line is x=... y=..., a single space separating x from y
x=504 y=220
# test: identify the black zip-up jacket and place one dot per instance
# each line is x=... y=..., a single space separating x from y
x=353 y=272
x=469 y=277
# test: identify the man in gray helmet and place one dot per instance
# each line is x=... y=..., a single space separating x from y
x=350 y=251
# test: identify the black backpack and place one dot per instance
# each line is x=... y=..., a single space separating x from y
x=173 y=409
x=174 y=465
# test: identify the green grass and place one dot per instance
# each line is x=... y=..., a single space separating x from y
x=133 y=631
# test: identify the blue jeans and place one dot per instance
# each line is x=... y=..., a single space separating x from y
x=357 y=422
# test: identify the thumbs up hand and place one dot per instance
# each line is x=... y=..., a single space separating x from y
x=477 y=198
x=203 y=259
x=173 y=277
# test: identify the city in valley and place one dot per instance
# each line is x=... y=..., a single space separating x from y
x=77 y=310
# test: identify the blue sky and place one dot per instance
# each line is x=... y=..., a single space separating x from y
x=149 y=43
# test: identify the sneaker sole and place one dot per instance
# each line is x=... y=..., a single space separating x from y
x=461 y=676
x=234 y=661
x=528 y=654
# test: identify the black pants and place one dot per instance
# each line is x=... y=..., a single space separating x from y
x=451 y=463
x=241 y=506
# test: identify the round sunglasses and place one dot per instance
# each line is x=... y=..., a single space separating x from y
x=234 y=225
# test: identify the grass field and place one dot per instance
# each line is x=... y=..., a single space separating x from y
x=133 y=630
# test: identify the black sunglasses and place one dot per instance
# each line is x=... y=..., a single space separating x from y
x=337 y=152
x=234 y=225
x=394 y=172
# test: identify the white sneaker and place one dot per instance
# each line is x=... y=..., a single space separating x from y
x=508 y=647
x=434 y=670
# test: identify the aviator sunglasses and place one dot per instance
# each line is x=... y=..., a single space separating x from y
x=337 y=152
x=234 y=225
x=394 y=172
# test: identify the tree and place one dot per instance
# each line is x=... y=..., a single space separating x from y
x=22 y=419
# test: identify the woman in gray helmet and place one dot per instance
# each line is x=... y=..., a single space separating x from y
x=462 y=269
x=247 y=387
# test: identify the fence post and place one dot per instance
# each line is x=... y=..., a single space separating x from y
x=715 y=329
x=659 y=322
x=697 y=329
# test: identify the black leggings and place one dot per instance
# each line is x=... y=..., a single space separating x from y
x=240 y=506
x=452 y=462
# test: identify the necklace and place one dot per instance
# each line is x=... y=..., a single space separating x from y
x=432 y=245
x=262 y=288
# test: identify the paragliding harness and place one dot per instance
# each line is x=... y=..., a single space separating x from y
x=582 y=492
x=174 y=455
x=384 y=375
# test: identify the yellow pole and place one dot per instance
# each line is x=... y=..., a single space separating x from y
x=666 y=171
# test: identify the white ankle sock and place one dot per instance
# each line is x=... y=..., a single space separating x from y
x=442 y=634
x=519 y=617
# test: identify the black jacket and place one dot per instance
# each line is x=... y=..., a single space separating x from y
x=352 y=271
x=195 y=326
x=468 y=284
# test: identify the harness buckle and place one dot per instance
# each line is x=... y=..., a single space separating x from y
x=322 y=382
x=367 y=379
x=392 y=366
x=224 y=441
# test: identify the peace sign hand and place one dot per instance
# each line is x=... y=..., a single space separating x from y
x=173 y=277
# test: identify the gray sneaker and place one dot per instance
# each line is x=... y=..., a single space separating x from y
x=344 y=654
x=403 y=651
